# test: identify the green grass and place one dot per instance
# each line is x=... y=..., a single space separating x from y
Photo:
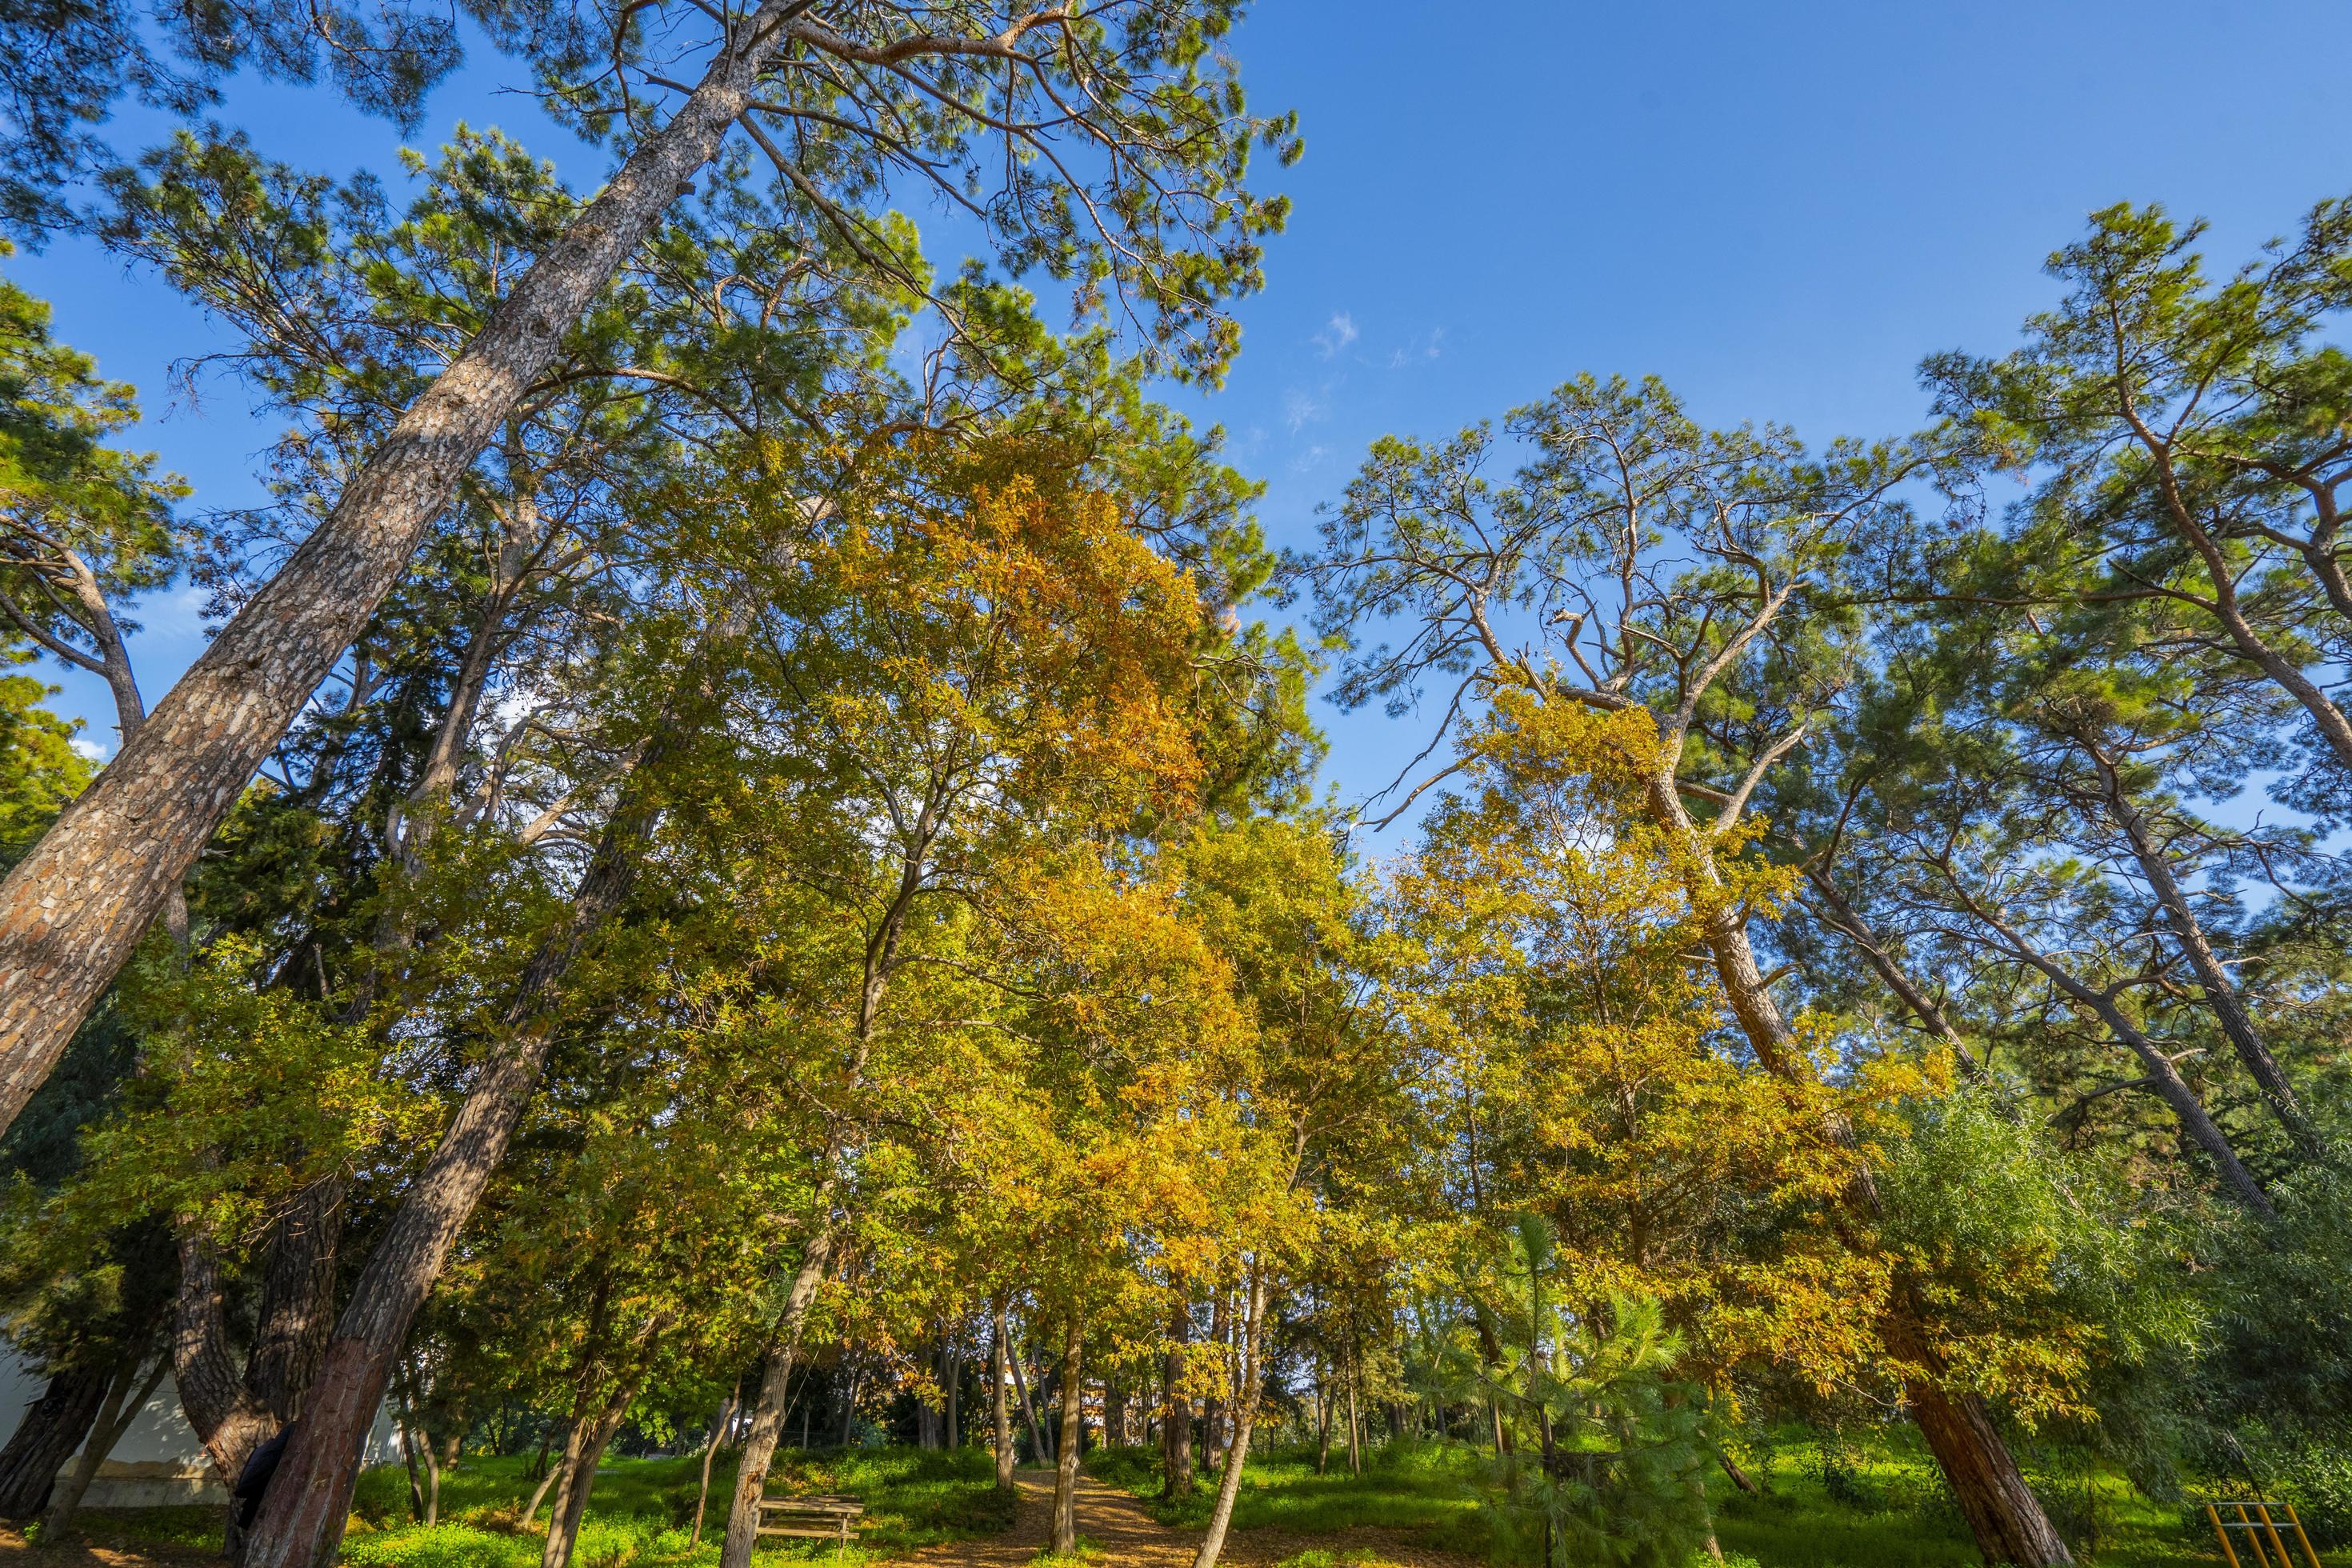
x=1882 y=1507
x=1424 y=1486
x=639 y=1516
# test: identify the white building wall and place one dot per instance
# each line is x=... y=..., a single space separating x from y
x=158 y=1461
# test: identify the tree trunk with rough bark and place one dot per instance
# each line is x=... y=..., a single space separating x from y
x=2002 y=1512
x=309 y=1500
x=1176 y=1426
x=52 y=1428
x=73 y=909
x=1000 y=1408
x=1066 y=1458
x=775 y=1394
x=2007 y=1515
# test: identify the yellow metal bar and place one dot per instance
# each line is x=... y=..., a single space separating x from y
x=2309 y=1555
x=2222 y=1536
x=2276 y=1540
x=2247 y=1522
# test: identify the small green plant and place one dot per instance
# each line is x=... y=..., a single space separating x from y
x=1616 y=1474
x=1830 y=1464
x=1085 y=1551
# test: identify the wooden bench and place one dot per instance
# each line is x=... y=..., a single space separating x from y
x=813 y=1517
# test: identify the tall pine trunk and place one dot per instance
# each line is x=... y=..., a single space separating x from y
x=73 y=909
x=309 y=1498
x=2006 y=1518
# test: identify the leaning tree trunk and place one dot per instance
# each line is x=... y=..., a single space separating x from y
x=582 y=1455
x=710 y=1452
x=133 y=1386
x=775 y=1390
x=546 y=1484
x=2008 y=1522
x=1994 y=1498
x=1245 y=1422
x=1000 y=1408
x=1066 y=1459
x=54 y=1425
x=73 y=909
x=309 y=1500
x=2221 y=996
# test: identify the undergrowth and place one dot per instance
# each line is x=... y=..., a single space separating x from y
x=639 y=1516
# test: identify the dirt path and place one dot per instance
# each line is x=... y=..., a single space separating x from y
x=1130 y=1538
x=15 y=1549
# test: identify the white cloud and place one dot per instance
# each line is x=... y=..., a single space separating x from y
x=1310 y=458
x=1300 y=408
x=90 y=748
x=1427 y=348
x=1337 y=334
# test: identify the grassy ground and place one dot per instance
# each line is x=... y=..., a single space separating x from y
x=1876 y=1507
x=639 y=1516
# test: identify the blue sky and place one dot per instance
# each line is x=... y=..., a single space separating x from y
x=1778 y=208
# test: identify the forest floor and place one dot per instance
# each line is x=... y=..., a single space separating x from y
x=1873 y=1504
x=1115 y=1531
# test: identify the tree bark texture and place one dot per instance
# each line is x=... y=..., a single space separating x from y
x=775 y=1394
x=309 y=1500
x=221 y=1411
x=2002 y=1512
x=1176 y=1424
x=1000 y=1408
x=52 y=1428
x=73 y=909
x=1066 y=1458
